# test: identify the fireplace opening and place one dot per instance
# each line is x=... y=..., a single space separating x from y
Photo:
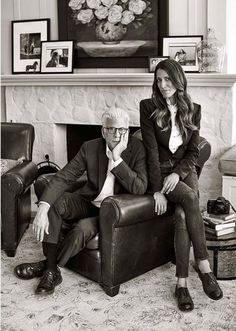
x=77 y=134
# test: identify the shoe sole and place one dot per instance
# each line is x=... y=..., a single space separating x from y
x=220 y=297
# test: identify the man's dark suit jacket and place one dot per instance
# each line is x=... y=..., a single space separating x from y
x=156 y=142
x=130 y=174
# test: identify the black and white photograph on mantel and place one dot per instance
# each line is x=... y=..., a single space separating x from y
x=27 y=36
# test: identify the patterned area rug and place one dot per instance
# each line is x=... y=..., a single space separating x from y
x=144 y=303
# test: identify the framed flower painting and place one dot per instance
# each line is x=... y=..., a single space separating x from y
x=113 y=33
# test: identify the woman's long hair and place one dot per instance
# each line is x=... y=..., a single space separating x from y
x=184 y=116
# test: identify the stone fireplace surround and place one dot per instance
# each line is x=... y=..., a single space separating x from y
x=50 y=102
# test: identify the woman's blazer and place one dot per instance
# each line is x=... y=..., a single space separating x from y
x=156 y=142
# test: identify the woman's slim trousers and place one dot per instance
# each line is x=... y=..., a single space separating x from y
x=189 y=225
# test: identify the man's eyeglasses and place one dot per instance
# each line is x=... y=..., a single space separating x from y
x=114 y=130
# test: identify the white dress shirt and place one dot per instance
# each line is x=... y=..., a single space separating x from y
x=108 y=186
x=175 y=136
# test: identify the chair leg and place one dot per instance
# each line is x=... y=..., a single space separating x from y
x=10 y=252
x=111 y=290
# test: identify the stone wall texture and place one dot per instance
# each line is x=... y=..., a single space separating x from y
x=50 y=107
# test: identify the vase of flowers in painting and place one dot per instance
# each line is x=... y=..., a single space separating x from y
x=110 y=20
x=110 y=33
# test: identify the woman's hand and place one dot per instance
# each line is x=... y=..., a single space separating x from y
x=169 y=183
x=160 y=203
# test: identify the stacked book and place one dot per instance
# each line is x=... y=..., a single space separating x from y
x=219 y=225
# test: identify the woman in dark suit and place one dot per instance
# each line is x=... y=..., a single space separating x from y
x=170 y=124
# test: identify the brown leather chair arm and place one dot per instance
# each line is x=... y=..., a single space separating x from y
x=18 y=179
x=127 y=209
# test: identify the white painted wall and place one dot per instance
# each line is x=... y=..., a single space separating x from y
x=230 y=35
x=187 y=17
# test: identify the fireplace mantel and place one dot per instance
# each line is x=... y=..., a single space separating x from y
x=112 y=79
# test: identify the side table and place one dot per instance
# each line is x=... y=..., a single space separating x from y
x=222 y=255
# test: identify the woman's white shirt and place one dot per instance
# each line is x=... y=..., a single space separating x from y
x=175 y=136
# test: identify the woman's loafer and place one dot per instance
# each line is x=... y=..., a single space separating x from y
x=30 y=270
x=210 y=285
x=185 y=302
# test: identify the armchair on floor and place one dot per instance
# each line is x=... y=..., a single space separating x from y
x=16 y=143
x=132 y=238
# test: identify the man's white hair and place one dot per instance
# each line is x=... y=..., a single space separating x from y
x=115 y=114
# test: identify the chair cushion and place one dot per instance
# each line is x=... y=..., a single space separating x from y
x=7 y=164
x=93 y=243
x=227 y=163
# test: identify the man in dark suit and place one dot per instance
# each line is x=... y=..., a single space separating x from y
x=115 y=164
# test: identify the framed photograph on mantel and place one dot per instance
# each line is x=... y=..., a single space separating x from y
x=183 y=49
x=154 y=60
x=56 y=57
x=113 y=33
x=26 y=44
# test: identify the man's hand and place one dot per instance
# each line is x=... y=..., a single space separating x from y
x=41 y=222
x=121 y=146
x=169 y=183
x=160 y=203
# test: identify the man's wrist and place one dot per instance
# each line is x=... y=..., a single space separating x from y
x=117 y=162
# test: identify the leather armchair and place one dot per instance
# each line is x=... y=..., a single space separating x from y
x=132 y=239
x=16 y=142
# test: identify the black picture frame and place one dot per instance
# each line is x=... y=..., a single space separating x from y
x=26 y=44
x=174 y=45
x=57 y=57
x=152 y=65
x=82 y=60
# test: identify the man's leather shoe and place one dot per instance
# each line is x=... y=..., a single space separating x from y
x=210 y=285
x=185 y=302
x=48 y=282
x=30 y=270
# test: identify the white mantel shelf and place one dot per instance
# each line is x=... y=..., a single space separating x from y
x=112 y=79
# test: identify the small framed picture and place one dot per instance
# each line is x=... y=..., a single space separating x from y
x=153 y=61
x=26 y=44
x=183 y=49
x=57 y=56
